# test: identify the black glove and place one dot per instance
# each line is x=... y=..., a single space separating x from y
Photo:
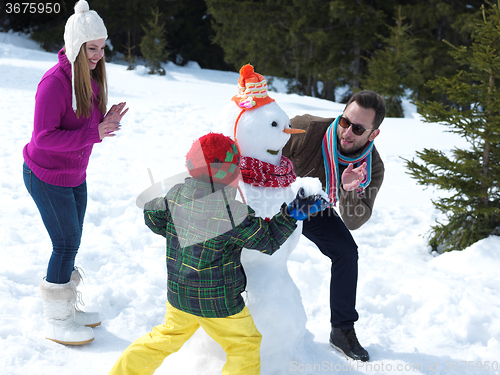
x=301 y=207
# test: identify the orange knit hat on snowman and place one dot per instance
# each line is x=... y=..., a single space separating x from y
x=252 y=89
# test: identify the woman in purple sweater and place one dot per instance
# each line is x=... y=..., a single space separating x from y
x=69 y=119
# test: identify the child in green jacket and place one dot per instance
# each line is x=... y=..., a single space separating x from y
x=205 y=230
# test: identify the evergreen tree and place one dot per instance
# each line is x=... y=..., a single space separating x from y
x=153 y=44
x=361 y=24
x=471 y=176
x=307 y=41
x=393 y=69
x=433 y=21
x=191 y=35
x=187 y=24
x=129 y=57
x=247 y=32
x=123 y=19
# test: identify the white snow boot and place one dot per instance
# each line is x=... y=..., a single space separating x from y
x=89 y=319
x=59 y=310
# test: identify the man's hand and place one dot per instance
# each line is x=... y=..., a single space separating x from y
x=352 y=177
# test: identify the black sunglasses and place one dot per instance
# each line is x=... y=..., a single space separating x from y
x=356 y=129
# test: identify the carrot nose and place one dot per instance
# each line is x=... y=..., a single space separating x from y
x=293 y=131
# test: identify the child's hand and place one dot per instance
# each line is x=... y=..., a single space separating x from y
x=301 y=207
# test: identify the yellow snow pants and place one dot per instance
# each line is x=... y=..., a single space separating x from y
x=237 y=334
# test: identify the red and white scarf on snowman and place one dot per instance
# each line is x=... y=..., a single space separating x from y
x=259 y=173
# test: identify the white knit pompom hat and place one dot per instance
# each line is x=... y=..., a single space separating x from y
x=81 y=27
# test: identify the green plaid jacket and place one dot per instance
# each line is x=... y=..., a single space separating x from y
x=206 y=229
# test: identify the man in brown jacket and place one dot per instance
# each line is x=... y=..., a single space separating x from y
x=341 y=153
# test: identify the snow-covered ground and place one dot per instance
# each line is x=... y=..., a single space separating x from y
x=419 y=313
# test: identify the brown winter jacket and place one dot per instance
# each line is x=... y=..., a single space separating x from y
x=305 y=151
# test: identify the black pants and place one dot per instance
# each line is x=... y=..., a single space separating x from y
x=331 y=236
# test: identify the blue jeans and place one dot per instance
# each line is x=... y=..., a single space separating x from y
x=331 y=236
x=62 y=210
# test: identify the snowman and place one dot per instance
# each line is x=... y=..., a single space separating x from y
x=261 y=129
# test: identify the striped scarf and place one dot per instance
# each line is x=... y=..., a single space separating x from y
x=259 y=173
x=332 y=158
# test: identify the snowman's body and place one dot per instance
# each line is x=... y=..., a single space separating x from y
x=272 y=297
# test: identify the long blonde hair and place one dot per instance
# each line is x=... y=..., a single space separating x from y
x=83 y=85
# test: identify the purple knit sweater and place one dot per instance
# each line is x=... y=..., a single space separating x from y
x=61 y=144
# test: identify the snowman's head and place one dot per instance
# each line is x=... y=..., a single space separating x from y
x=254 y=120
x=260 y=133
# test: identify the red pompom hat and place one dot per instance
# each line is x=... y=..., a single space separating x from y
x=214 y=158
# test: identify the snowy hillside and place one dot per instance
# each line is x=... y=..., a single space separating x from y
x=419 y=313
